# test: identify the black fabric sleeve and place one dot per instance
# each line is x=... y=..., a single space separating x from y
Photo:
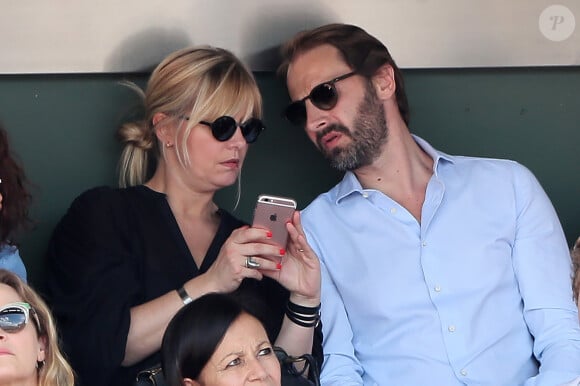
x=91 y=285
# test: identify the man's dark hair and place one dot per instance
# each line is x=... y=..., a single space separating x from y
x=364 y=53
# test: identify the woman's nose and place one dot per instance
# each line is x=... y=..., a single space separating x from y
x=257 y=371
x=238 y=138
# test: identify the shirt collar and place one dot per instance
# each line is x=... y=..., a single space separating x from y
x=350 y=184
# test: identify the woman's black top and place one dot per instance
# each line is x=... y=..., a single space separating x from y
x=118 y=248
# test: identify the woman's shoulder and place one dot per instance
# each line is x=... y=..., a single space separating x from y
x=107 y=195
x=105 y=203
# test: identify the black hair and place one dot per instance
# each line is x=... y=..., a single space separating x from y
x=194 y=333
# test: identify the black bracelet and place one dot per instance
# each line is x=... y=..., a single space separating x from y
x=303 y=316
x=185 y=298
x=306 y=318
x=302 y=309
x=303 y=323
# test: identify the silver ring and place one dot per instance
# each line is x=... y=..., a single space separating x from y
x=251 y=263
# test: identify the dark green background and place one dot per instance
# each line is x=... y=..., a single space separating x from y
x=63 y=129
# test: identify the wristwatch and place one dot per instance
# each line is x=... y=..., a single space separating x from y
x=185 y=298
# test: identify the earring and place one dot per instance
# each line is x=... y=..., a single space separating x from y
x=168 y=144
x=40 y=364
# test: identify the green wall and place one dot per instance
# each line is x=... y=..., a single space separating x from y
x=63 y=128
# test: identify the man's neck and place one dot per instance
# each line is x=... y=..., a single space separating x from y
x=402 y=171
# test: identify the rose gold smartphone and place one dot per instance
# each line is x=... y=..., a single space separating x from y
x=273 y=212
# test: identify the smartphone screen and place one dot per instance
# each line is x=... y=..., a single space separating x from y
x=273 y=212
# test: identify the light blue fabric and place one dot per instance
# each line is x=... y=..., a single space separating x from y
x=469 y=296
x=10 y=260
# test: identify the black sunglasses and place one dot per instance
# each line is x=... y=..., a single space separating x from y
x=324 y=96
x=14 y=316
x=224 y=127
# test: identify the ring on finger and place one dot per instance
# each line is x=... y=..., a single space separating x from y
x=251 y=263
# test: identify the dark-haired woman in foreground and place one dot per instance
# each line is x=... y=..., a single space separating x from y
x=215 y=341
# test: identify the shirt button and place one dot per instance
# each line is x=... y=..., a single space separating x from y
x=393 y=210
x=463 y=372
x=424 y=243
x=437 y=288
x=365 y=195
x=451 y=328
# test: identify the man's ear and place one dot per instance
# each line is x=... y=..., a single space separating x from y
x=384 y=82
x=189 y=382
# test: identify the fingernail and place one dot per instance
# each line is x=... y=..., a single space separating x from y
x=268 y=234
x=282 y=252
x=288 y=222
x=279 y=266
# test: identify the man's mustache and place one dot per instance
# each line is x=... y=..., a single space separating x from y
x=334 y=127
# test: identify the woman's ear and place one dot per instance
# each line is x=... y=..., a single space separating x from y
x=384 y=82
x=41 y=355
x=158 y=117
x=189 y=382
x=163 y=132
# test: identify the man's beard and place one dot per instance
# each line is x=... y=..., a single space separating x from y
x=367 y=139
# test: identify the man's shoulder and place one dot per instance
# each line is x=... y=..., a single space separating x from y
x=494 y=166
x=473 y=160
x=323 y=201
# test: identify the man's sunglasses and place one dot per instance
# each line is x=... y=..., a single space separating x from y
x=324 y=96
x=14 y=316
x=224 y=127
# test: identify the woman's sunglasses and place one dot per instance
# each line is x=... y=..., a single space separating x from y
x=223 y=128
x=324 y=96
x=14 y=316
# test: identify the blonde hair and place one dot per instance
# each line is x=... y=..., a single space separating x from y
x=189 y=85
x=55 y=370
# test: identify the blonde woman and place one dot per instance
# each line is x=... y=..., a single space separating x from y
x=123 y=261
x=29 y=351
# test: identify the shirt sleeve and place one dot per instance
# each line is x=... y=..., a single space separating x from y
x=91 y=286
x=340 y=365
x=10 y=260
x=542 y=264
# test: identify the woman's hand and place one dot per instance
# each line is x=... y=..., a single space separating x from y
x=300 y=268
x=229 y=269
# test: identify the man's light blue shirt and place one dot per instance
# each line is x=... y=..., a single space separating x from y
x=10 y=260
x=477 y=293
